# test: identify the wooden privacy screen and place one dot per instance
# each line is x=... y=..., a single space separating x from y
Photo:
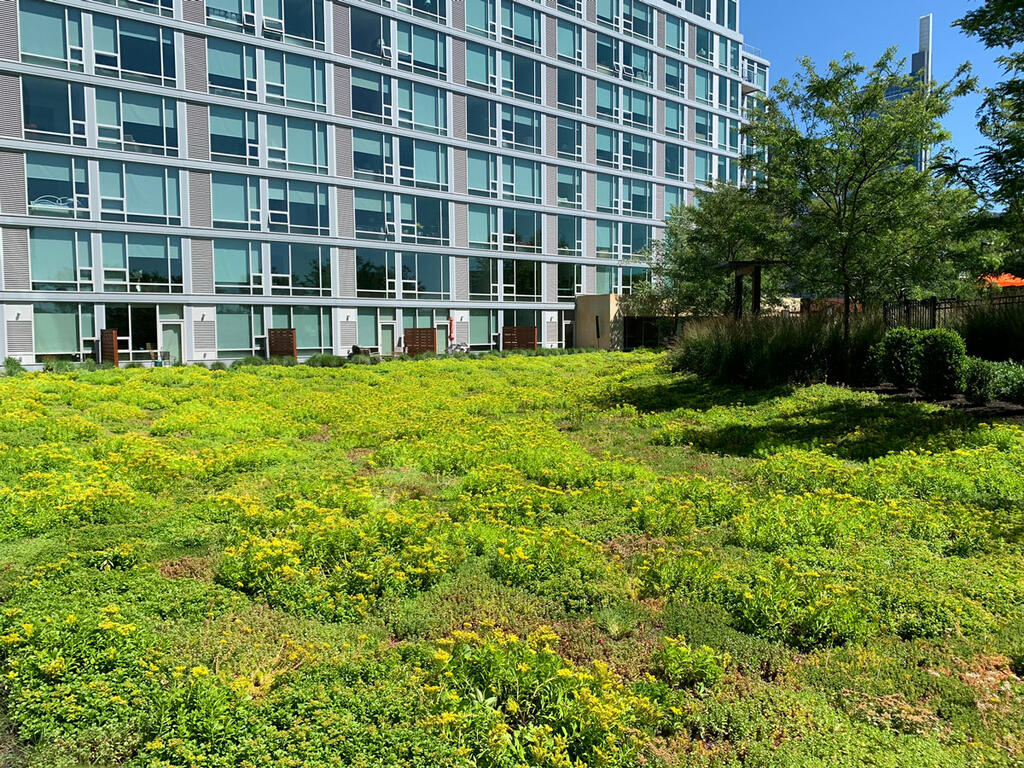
x=108 y=346
x=519 y=337
x=281 y=342
x=420 y=340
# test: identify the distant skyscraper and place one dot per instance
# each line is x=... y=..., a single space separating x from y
x=920 y=65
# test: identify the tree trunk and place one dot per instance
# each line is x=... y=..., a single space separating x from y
x=847 y=352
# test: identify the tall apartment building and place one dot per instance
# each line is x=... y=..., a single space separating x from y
x=193 y=174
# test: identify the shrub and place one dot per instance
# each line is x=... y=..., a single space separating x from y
x=941 y=357
x=248 y=360
x=771 y=351
x=683 y=666
x=898 y=357
x=51 y=365
x=217 y=365
x=979 y=380
x=1008 y=382
x=363 y=360
x=326 y=361
x=285 y=360
x=13 y=366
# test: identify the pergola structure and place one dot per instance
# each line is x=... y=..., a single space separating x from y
x=741 y=269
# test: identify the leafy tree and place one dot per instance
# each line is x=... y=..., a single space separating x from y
x=687 y=274
x=998 y=172
x=840 y=165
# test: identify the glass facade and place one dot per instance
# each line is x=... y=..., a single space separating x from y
x=349 y=170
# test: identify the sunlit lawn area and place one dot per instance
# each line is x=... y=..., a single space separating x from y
x=557 y=562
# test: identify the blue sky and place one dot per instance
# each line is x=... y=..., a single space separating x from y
x=825 y=29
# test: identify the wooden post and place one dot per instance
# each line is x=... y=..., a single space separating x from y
x=933 y=306
x=738 y=307
x=108 y=346
x=755 y=298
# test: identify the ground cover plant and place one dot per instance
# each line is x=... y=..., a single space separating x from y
x=562 y=562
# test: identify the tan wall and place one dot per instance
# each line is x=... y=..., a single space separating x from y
x=592 y=311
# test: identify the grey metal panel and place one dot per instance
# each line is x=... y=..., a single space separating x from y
x=348 y=334
x=550 y=242
x=659 y=159
x=458 y=48
x=13 y=196
x=460 y=274
x=342 y=29
x=590 y=144
x=16 y=261
x=461 y=332
x=551 y=86
x=551 y=185
x=551 y=331
x=551 y=284
x=590 y=100
x=551 y=135
x=347 y=272
x=204 y=335
x=199 y=199
x=691 y=124
x=458 y=102
x=342 y=91
x=11 y=122
x=659 y=202
x=197 y=117
x=659 y=29
x=590 y=237
x=660 y=81
x=194 y=11
x=591 y=49
x=460 y=180
x=346 y=212
x=195 y=62
x=589 y=280
x=691 y=39
x=691 y=80
x=590 y=190
x=550 y=36
x=460 y=225
x=343 y=150
x=659 y=116
x=9 y=31
x=458 y=15
x=202 y=266
x=691 y=166
x=19 y=332
x=591 y=10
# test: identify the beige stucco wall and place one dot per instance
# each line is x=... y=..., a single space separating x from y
x=601 y=311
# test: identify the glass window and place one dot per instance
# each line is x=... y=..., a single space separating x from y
x=520 y=76
x=424 y=220
x=296 y=144
x=675 y=119
x=675 y=34
x=238 y=329
x=60 y=260
x=704 y=122
x=371 y=36
x=366 y=325
x=673 y=198
x=608 y=142
x=422 y=164
x=53 y=111
x=63 y=329
x=675 y=77
x=481 y=67
x=637 y=108
x=570 y=91
x=234 y=137
x=57 y=185
x=300 y=269
x=521 y=230
x=570 y=187
x=422 y=107
x=50 y=35
x=231 y=68
x=154 y=263
x=432 y=10
x=481 y=120
x=238 y=15
x=608 y=101
x=570 y=280
x=296 y=21
x=375 y=274
x=702 y=167
x=236 y=201
x=483 y=279
x=298 y=206
x=570 y=139
x=632 y=277
x=520 y=128
x=704 y=87
x=606 y=239
x=482 y=17
x=237 y=267
x=607 y=193
x=295 y=81
x=520 y=180
x=371 y=156
x=635 y=239
x=605 y=282
x=570 y=235
x=374 y=215
x=637 y=153
x=637 y=198
x=520 y=25
x=371 y=96
x=674 y=161
x=520 y=280
x=570 y=42
x=483 y=227
x=483 y=326
x=141 y=193
x=482 y=170
x=422 y=51
x=425 y=276
x=132 y=50
x=136 y=122
x=312 y=327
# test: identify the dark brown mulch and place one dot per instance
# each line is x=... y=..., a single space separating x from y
x=997 y=410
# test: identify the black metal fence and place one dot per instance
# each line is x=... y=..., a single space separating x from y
x=939 y=313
